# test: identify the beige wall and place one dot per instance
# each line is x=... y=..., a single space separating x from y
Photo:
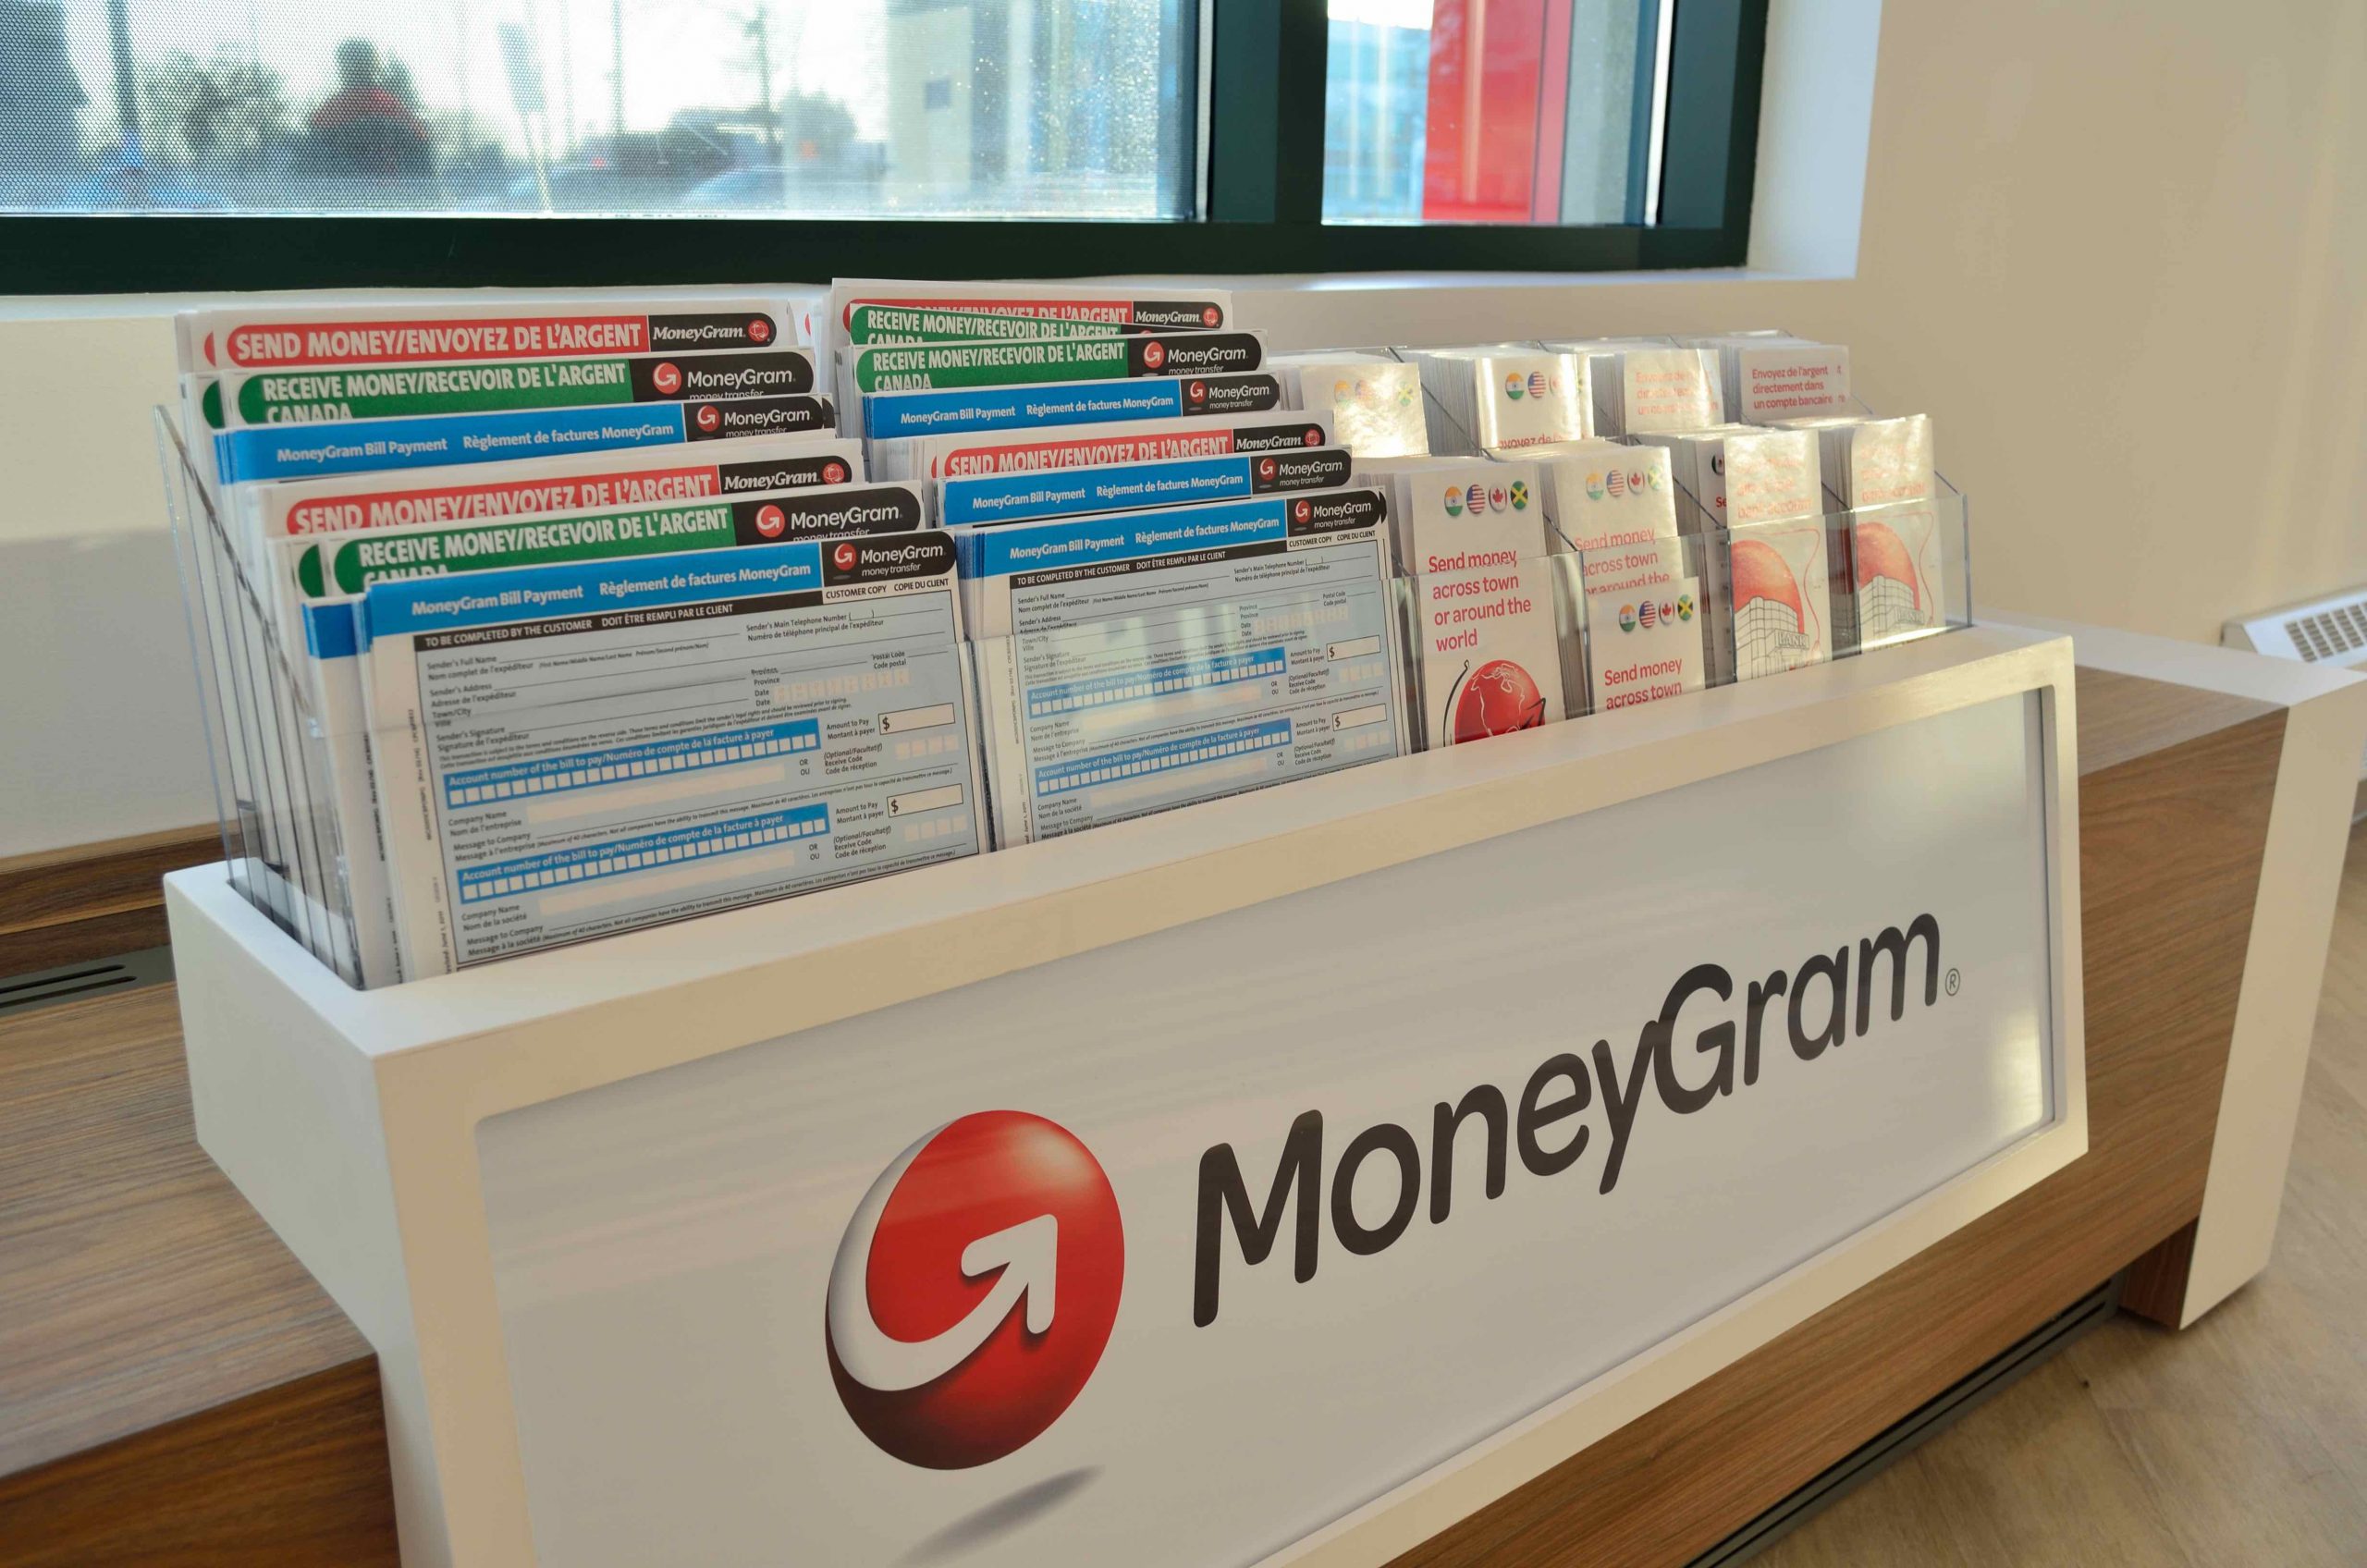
x=2119 y=252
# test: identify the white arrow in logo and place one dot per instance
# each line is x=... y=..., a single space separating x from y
x=1027 y=1253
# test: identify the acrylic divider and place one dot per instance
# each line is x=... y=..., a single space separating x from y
x=1663 y=616
x=267 y=749
x=1453 y=431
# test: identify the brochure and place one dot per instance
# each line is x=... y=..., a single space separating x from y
x=329 y=394
x=1882 y=471
x=1128 y=665
x=888 y=416
x=875 y=323
x=1773 y=609
x=1505 y=397
x=517 y=327
x=316 y=581
x=569 y=751
x=1183 y=307
x=1638 y=389
x=1769 y=376
x=281 y=451
x=1490 y=658
x=1036 y=361
x=1028 y=496
x=1601 y=496
x=1454 y=519
x=586 y=480
x=1741 y=474
x=1374 y=401
x=1644 y=626
x=931 y=457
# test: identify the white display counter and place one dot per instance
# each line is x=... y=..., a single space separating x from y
x=1438 y=1117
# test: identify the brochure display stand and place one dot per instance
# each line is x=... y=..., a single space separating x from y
x=1330 y=1159
x=1053 y=989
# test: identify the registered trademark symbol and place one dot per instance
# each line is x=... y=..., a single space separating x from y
x=1955 y=980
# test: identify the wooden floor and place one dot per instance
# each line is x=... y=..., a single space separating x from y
x=2242 y=1441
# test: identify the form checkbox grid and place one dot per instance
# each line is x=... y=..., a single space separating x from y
x=565 y=867
x=1166 y=757
x=549 y=776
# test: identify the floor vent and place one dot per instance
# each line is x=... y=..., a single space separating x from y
x=1902 y=1439
x=125 y=972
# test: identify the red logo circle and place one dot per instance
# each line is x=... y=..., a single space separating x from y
x=1154 y=353
x=1198 y=391
x=667 y=377
x=975 y=1290
x=770 y=520
x=1314 y=436
x=1266 y=468
x=834 y=472
x=759 y=330
x=843 y=556
x=1211 y=315
x=1303 y=511
x=709 y=417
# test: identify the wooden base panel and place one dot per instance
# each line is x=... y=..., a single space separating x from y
x=2156 y=1285
x=290 y=1477
x=92 y=900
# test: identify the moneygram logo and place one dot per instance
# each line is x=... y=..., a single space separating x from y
x=834 y=472
x=759 y=330
x=975 y=1290
x=770 y=520
x=843 y=558
x=1211 y=316
x=667 y=377
x=1154 y=353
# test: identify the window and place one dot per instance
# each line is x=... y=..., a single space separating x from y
x=1074 y=108
x=164 y=144
x=1461 y=111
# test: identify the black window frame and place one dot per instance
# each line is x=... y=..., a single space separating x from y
x=1264 y=207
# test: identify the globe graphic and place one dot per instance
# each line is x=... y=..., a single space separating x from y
x=1500 y=697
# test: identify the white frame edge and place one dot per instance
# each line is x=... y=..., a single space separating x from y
x=349 y=1120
